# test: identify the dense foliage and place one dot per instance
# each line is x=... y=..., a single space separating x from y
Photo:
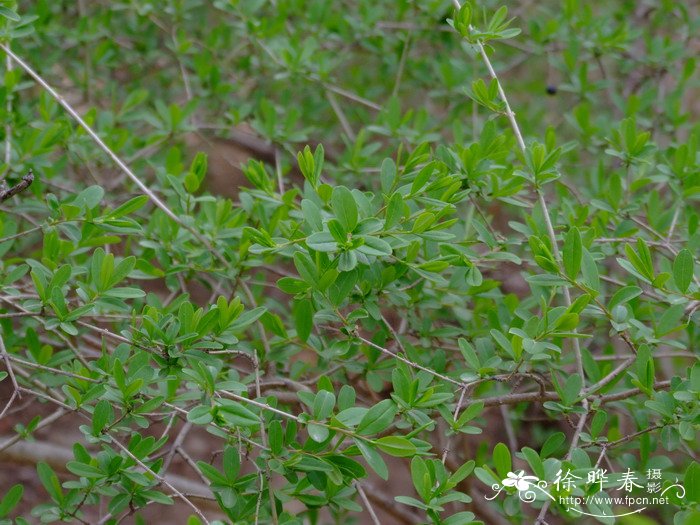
x=465 y=246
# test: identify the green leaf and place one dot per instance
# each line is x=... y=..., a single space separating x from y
x=589 y=270
x=394 y=211
x=533 y=458
x=323 y=405
x=624 y=295
x=421 y=478
x=470 y=413
x=89 y=197
x=312 y=214
x=387 y=175
x=573 y=253
x=101 y=416
x=378 y=418
x=291 y=285
x=397 y=446
x=423 y=222
x=275 y=437
x=502 y=460
x=197 y=172
x=322 y=242
x=598 y=422
x=374 y=460
x=247 y=318
x=9 y=13
x=469 y=354
x=303 y=318
x=128 y=207
x=460 y=518
x=318 y=433
x=236 y=414
x=571 y=389
x=10 y=500
x=50 y=481
x=670 y=320
x=85 y=470
x=305 y=267
x=641 y=263
x=502 y=341
x=344 y=207
x=200 y=415
x=375 y=246
x=552 y=444
x=462 y=472
x=125 y=293
x=683 y=269
x=691 y=482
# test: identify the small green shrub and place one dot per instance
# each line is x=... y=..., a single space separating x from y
x=483 y=271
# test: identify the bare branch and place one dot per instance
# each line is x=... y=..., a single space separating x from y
x=122 y=165
x=17 y=188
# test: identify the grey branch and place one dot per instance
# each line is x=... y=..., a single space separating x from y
x=17 y=188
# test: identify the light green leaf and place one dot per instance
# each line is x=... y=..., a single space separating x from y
x=573 y=253
x=323 y=405
x=502 y=460
x=319 y=433
x=9 y=13
x=344 y=207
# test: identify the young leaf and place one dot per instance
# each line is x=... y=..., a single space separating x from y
x=573 y=253
x=502 y=460
x=303 y=318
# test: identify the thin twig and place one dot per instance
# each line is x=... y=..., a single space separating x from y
x=59 y=413
x=278 y=171
x=402 y=65
x=9 y=403
x=122 y=165
x=411 y=363
x=508 y=425
x=674 y=221
x=454 y=417
x=514 y=399
x=177 y=443
x=368 y=505
x=611 y=376
x=510 y=115
x=8 y=126
x=161 y=479
x=10 y=371
x=344 y=123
